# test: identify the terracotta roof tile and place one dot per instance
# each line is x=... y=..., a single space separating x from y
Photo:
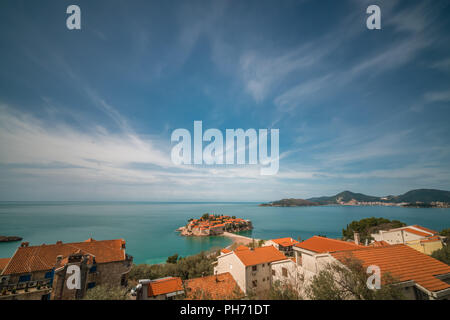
x=431 y=239
x=417 y=232
x=164 y=286
x=381 y=243
x=425 y=229
x=220 y=287
x=403 y=263
x=322 y=245
x=259 y=255
x=43 y=257
x=225 y=250
x=285 y=242
x=3 y=263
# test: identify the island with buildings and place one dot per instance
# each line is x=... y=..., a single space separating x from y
x=213 y=225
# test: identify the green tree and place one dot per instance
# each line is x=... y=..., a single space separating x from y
x=282 y=291
x=172 y=259
x=347 y=281
x=205 y=216
x=369 y=225
x=106 y=292
x=445 y=232
x=442 y=254
x=186 y=268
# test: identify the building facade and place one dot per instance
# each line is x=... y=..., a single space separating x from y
x=41 y=272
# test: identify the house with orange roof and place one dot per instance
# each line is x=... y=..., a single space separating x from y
x=420 y=276
x=167 y=288
x=420 y=238
x=217 y=287
x=312 y=255
x=285 y=245
x=403 y=234
x=250 y=268
x=40 y=272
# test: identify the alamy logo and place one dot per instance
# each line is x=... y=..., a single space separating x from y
x=215 y=153
x=74 y=280
x=374 y=280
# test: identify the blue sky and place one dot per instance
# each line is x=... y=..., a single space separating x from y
x=88 y=114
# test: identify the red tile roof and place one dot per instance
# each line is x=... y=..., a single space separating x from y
x=225 y=250
x=259 y=255
x=3 y=263
x=431 y=239
x=43 y=257
x=322 y=245
x=220 y=287
x=242 y=248
x=381 y=243
x=285 y=242
x=403 y=263
x=164 y=286
x=425 y=229
x=414 y=231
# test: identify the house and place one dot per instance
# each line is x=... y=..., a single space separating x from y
x=427 y=245
x=41 y=272
x=285 y=245
x=217 y=287
x=403 y=234
x=312 y=255
x=421 y=276
x=250 y=268
x=167 y=288
x=417 y=237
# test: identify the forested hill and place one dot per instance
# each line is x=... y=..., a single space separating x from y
x=413 y=196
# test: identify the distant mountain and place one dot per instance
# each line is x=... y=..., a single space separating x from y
x=344 y=196
x=422 y=195
x=419 y=195
x=290 y=203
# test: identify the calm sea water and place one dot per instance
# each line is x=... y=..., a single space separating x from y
x=149 y=228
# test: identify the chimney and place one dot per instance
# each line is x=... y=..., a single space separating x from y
x=59 y=242
x=58 y=259
x=356 y=237
x=24 y=244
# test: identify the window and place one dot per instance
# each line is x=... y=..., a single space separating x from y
x=254 y=268
x=255 y=283
x=273 y=272
x=24 y=278
x=90 y=285
x=284 y=272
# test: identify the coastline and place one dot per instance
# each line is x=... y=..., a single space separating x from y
x=236 y=238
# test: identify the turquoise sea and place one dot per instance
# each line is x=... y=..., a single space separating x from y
x=149 y=227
